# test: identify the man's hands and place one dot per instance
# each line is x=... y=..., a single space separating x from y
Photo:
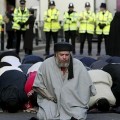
x=101 y=25
x=53 y=99
x=21 y=24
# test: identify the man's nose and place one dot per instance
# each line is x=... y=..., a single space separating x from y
x=64 y=56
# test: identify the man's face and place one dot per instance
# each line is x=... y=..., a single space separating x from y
x=102 y=9
x=71 y=8
x=63 y=58
x=22 y=6
x=52 y=6
x=87 y=8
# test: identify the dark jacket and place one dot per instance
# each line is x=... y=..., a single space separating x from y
x=10 y=23
x=114 y=36
x=28 y=43
x=13 y=78
x=114 y=71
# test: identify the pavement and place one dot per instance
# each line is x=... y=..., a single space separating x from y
x=27 y=116
x=41 y=47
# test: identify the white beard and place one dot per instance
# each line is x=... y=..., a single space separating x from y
x=66 y=64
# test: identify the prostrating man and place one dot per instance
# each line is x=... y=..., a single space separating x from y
x=63 y=85
x=12 y=94
x=114 y=71
x=104 y=99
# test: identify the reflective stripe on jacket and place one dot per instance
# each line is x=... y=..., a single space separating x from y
x=87 y=25
x=51 y=20
x=1 y=22
x=103 y=18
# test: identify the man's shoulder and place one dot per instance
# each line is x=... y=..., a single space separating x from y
x=76 y=61
x=48 y=60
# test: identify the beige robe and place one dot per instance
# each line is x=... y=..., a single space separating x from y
x=72 y=95
x=103 y=82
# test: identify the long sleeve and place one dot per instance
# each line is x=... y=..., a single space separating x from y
x=40 y=87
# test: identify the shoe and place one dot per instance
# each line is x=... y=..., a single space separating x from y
x=33 y=118
x=90 y=54
x=46 y=54
x=72 y=118
x=81 y=53
x=98 y=54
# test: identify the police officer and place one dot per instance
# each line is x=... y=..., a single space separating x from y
x=21 y=15
x=1 y=22
x=70 y=25
x=103 y=20
x=86 y=29
x=51 y=25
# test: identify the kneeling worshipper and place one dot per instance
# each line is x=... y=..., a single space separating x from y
x=114 y=71
x=31 y=105
x=34 y=67
x=10 y=57
x=104 y=99
x=63 y=86
x=12 y=94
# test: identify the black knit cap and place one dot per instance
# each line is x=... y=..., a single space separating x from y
x=62 y=46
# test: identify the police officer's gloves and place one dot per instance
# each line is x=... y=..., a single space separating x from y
x=53 y=20
x=101 y=25
x=21 y=24
x=48 y=16
x=69 y=18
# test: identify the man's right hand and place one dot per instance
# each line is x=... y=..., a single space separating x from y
x=101 y=25
x=21 y=24
x=53 y=99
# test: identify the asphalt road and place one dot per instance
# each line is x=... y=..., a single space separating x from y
x=27 y=116
x=39 y=50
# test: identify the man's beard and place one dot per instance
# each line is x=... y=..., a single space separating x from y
x=61 y=64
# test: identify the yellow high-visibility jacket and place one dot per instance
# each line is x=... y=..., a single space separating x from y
x=1 y=22
x=87 y=24
x=51 y=20
x=70 y=21
x=19 y=17
x=103 y=18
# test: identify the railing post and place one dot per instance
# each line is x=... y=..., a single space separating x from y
x=2 y=37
